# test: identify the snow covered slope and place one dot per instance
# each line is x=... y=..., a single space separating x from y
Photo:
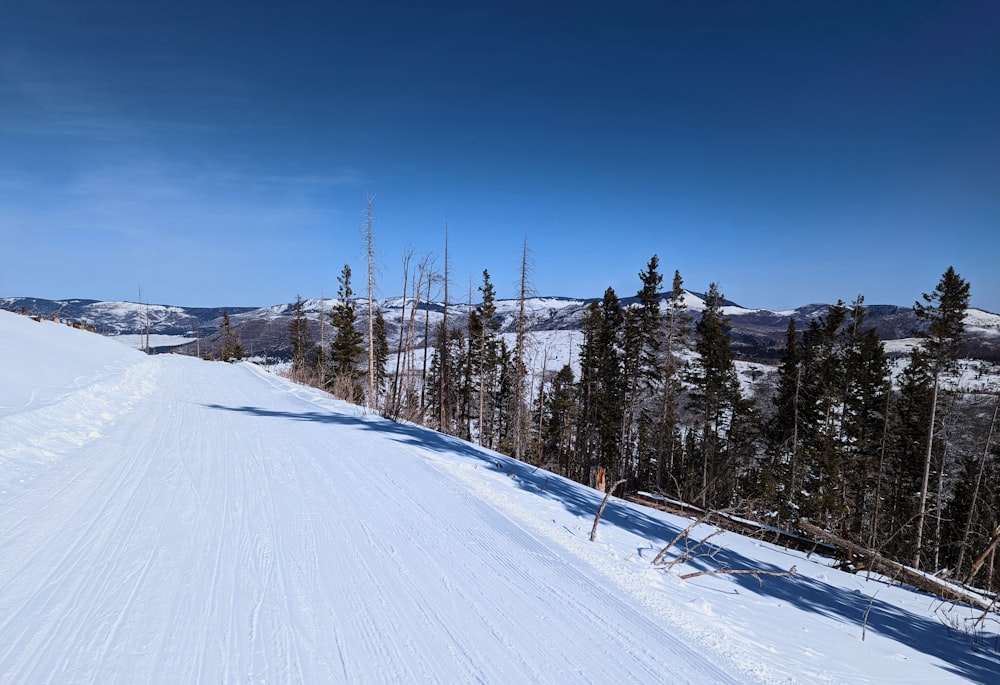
x=166 y=519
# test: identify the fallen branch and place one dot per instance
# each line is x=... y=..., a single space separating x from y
x=739 y=572
x=723 y=518
x=978 y=563
x=893 y=569
x=604 y=503
x=683 y=534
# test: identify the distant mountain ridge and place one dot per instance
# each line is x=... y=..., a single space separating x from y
x=756 y=333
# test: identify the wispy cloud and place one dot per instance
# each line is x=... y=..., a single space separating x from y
x=55 y=95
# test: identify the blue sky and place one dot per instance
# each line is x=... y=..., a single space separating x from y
x=220 y=153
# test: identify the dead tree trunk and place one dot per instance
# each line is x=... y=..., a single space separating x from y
x=370 y=250
x=975 y=489
x=978 y=563
x=893 y=569
x=604 y=503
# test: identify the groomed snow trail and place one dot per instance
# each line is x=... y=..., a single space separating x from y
x=180 y=521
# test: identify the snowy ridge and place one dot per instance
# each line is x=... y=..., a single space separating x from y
x=979 y=320
x=757 y=333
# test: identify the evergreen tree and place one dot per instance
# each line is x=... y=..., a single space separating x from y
x=232 y=346
x=910 y=418
x=300 y=339
x=779 y=473
x=446 y=365
x=380 y=354
x=347 y=348
x=588 y=392
x=668 y=442
x=820 y=496
x=611 y=385
x=505 y=400
x=601 y=390
x=558 y=421
x=483 y=336
x=944 y=313
x=650 y=325
x=642 y=370
x=864 y=421
x=715 y=397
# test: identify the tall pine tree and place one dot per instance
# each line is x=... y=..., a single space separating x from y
x=347 y=348
x=943 y=311
x=232 y=346
x=300 y=339
x=715 y=399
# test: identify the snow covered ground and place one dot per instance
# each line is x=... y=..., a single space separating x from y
x=166 y=519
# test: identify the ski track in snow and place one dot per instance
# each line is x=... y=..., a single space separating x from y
x=207 y=523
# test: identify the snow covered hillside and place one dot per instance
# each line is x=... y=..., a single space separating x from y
x=167 y=519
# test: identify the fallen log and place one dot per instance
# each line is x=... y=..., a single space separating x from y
x=894 y=570
x=727 y=521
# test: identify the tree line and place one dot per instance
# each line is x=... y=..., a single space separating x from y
x=903 y=465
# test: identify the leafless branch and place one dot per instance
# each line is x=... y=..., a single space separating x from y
x=739 y=572
x=604 y=503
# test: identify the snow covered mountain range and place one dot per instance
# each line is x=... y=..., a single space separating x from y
x=756 y=333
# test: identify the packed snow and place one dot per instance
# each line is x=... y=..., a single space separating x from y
x=168 y=519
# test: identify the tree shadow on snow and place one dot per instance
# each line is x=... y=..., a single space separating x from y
x=975 y=662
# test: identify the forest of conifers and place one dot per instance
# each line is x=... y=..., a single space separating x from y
x=905 y=466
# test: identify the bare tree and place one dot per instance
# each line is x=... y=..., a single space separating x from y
x=395 y=403
x=424 y=275
x=520 y=427
x=430 y=277
x=976 y=487
x=443 y=380
x=370 y=251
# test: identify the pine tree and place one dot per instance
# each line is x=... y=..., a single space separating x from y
x=642 y=371
x=300 y=339
x=483 y=335
x=675 y=340
x=609 y=384
x=588 y=393
x=380 y=355
x=446 y=363
x=910 y=417
x=864 y=419
x=944 y=313
x=818 y=491
x=716 y=395
x=232 y=347
x=779 y=473
x=347 y=348
x=558 y=421
x=601 y=391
